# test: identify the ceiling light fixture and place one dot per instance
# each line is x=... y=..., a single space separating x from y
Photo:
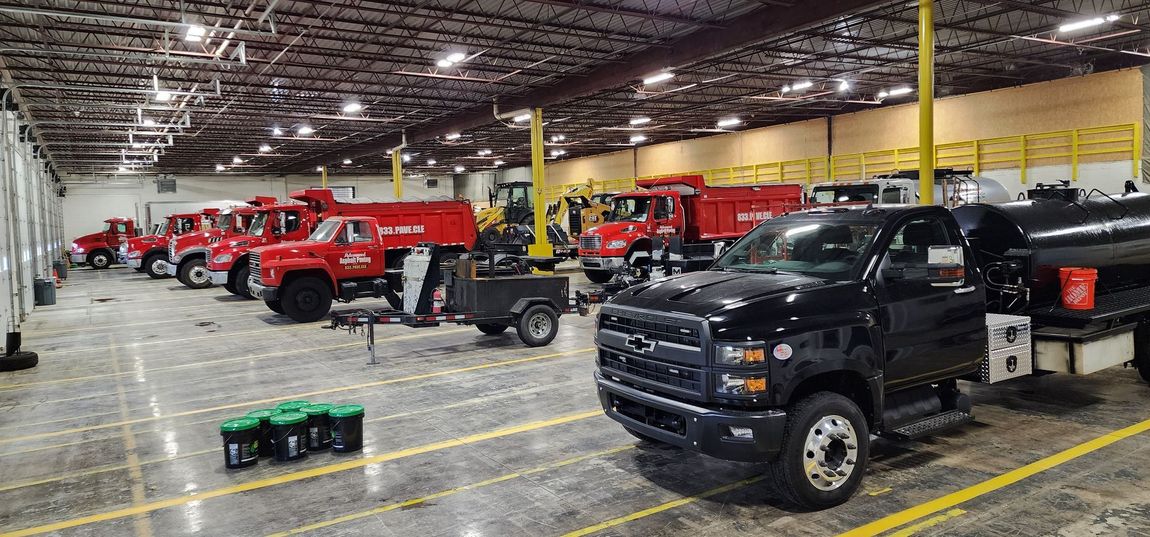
x=237 y=160
x=319 y=168
x=431 y=162
x=844 y=85
x=1089 y=23
x=277 y=132
x=346 y=161
x=149 y=122
x=883 y=95
x=452 y=136
x=351 y=108
x=456 y=57
x=121 y=169
x=305 y=130
x=195 y=33
x=728 y=122
x=900 y=91
x=499 y=163
x=521 y=118
x=443 y=63
x=264 y=148
x=558 y=152
x=163 y=96
x=639 y=121
x=785 y=89
x=459 y=168
x=655 y=79
x=220 y=167
x=406 y=158
x=638 y=138
x=802 y=85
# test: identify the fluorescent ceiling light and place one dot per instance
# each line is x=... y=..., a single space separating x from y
x=163 y=96
x=785 y=89
x=452 y=136
x=654 y=79
x=1080 y=25
x=305 y=130
x=431 y=162
x=557 y=152
x=558 y=138
x=521 y=118
x=728 y=122
x=459 y=168
x=351 y=108
x=456 y=57
x=844 y=85
x=499 y=163
x=195 y=33
x=443 y=63
x=149 y=122
x=122 y=169
x=220 y=167
x=900 y=91
x=264 y=148
x=277 y=132
x=638 y=138
x=406 y=158
x=319 y=168
x=640 y=120
x=237 y=160
x=802 y=85
x=346 y=161
x=484 y=152
x=883 y=95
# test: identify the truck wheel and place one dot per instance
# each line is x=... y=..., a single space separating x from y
x=538 y=325
x=306 y=300
x=825 y=449
x=19 y=360
x=99 y=260
x=241 y=283
x=156 y=266
x=194 y=274
x=598 y=276
x=491 y=329
x=1142 y=350
x=230 y=287
x=275 y=306
x=490 y=236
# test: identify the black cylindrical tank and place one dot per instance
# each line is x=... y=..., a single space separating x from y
x=1109 y=234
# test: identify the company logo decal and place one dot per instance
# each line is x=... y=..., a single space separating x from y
x=753 y=216
x=640 y=343
x=355 y=261
x=402 y=230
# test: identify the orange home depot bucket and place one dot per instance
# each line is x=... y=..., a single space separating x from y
x=1077 y=287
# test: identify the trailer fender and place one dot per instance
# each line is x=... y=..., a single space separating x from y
x=522 y=304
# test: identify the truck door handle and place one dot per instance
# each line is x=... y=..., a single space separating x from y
x=964 y=290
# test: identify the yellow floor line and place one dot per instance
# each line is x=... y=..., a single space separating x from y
x=162 y=341
x=1009 y=478
x=450 y=492
x=256 y=403
x=928 y=523
x=141 y=524
x=664 y=507
x=102 y=470
x=299 y=475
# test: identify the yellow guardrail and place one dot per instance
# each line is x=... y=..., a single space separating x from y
x=1022 y=152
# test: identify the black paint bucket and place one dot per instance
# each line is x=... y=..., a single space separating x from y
x=289 y=435
x=346 y=428
x=241 y=442
x=266 y=448
x=318 y=428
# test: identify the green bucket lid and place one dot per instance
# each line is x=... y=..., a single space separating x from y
x=239 y=424
x=292 y=406
x=346 y=411
x=264 y=413
x=317 y=409
x=288 y=418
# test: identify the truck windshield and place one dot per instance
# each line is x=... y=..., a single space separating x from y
x=325 y=231
x=834 y=251
x=845 y=194
x=224 y=221
x=258 y=223
x=629 y=209
x=107 y=226
x=162 y=228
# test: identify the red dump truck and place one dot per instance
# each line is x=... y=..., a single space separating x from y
x=98 y=250
x=684 y=207
x=187 y=254
x=150 y=253
x=348 y=256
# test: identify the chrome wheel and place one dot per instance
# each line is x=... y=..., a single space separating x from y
x=539 y=325
x=831 y=452
x=159 y=266
x=199 y=275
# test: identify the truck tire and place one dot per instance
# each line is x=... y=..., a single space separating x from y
x=156 y=266
x=194 y=274
x=598 y=276
x=99 y=260
x=306 y=299
x=230 y=286
x=275 y=306
x=829 y=432
x=19 y=360
x=491 y=329
x=241 y=284
x=1142 y=350
x=538 y=325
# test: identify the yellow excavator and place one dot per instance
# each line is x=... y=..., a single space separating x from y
x=581 y=208
x=512 y=213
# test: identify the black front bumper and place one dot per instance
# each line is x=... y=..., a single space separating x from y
x=693 y=427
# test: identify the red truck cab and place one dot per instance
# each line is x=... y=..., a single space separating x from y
x=349 y=256
x=187 y=254
x=98 y=250
x=227 y=259
x=150 y=253
x=684 y=207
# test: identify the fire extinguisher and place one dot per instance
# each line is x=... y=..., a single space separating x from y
x=436 y=301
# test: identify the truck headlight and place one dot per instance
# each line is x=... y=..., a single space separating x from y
x=134 y=254
x=740 y=355
x=77 y=249
x=222 y=258
x=615 y=245
x=728 y=384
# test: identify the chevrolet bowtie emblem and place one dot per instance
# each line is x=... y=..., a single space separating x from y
x=640 y=343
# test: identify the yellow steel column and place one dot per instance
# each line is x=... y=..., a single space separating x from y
x=542 y=247
x=397 y=173
x=926 y=102
x=323 y=176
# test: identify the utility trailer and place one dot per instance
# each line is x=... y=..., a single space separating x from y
x=530 y=304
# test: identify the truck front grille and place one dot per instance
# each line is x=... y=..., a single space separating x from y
x=254 y=265
x=677 y=377
x=172 y=249
x=664 y=332
x=590 y=242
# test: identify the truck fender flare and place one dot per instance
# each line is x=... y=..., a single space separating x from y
x=851 y=366
x=522 y=304
x=292 y=269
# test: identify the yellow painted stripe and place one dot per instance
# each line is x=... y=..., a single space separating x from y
x=422 y=376
x=1009 y=478
x=928 y=523
x=664 y=507
x=416 y=501
x=299 y=475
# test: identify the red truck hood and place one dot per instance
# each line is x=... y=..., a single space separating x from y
x=197 y=238
x=147 y=242
x=239 y=241
x=293 y=249
x=612 y=230
x=92 y=239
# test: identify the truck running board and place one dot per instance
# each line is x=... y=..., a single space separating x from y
x=929 y=426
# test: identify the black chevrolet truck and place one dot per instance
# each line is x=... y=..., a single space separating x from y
x=818 y=329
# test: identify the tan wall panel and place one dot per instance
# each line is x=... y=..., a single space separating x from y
x=1109 y=98
x=608 y=166
x=793 y=141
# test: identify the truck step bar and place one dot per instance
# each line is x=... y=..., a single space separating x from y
x=930 y=426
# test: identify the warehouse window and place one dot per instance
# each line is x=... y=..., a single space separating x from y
x=358 y=231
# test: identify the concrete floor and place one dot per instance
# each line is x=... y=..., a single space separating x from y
x=115 y=433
